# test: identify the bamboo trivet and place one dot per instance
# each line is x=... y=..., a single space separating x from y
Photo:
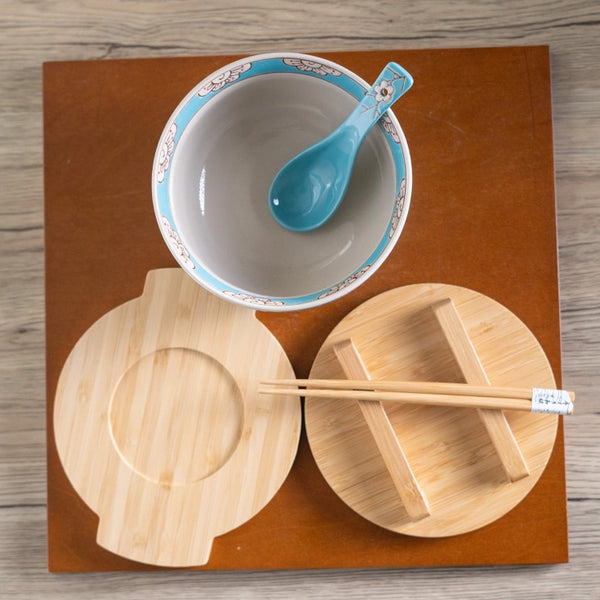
x=448 y=449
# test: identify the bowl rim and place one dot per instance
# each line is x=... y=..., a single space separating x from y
x=209 y=87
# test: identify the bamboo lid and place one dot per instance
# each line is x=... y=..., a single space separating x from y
x=449 y=450
x=159 y=425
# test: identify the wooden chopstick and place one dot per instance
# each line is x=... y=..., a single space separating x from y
x=425 y=392
x=426 y=387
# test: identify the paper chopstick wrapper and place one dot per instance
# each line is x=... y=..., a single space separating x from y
x=551 y=401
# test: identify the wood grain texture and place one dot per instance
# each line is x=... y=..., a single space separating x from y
x=96 y=214
x=36 y=31
x=495 y=421
x=160 y=427
x=382 y=431
x=452 y=455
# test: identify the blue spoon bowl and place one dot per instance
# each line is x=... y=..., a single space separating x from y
x=309 y=188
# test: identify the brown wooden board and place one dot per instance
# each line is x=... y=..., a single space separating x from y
x=479 y=126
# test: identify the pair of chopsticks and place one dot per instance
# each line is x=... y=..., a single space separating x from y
x=463 y=395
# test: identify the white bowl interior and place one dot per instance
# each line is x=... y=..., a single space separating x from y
x=222 y=169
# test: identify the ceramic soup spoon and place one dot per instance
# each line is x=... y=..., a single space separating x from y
x=309 y=188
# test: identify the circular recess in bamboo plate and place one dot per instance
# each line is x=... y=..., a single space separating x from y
x=160 y=427
x=450 y=452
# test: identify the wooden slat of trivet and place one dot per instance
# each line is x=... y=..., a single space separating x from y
x=494 y=420
x=410 y=492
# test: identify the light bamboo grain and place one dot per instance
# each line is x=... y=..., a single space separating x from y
x=390 y=447
x=34 y=31
x=473 y=371
x=158 y=423
x=450 y=453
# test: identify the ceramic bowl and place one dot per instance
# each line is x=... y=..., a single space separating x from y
x=215 y=161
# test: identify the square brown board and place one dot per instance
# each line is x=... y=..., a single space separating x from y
x=479 y=127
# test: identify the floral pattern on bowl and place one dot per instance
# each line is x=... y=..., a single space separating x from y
x=387 y=124
x=166 y=150
x=223 y=78
x=399 y=208
x=303 y=64
x=347 y=282
x=253 y=300
x=176 y=246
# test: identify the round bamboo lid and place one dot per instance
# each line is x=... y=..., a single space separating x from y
x=466 y=471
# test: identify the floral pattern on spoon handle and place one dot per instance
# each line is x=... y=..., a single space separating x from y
x=392 y=83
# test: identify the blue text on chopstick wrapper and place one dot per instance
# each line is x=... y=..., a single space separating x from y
x=551 y=401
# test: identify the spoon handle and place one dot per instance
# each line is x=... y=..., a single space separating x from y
x=392 y=83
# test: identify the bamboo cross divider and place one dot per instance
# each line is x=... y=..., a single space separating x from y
x=412 y=496
x=389 y=446
x=494 y=420
x=476 y=393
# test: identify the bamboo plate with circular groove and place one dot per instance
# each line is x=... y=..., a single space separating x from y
x=448 y=449
x=159 y=425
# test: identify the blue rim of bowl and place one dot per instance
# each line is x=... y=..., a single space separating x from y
x=204 y=92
